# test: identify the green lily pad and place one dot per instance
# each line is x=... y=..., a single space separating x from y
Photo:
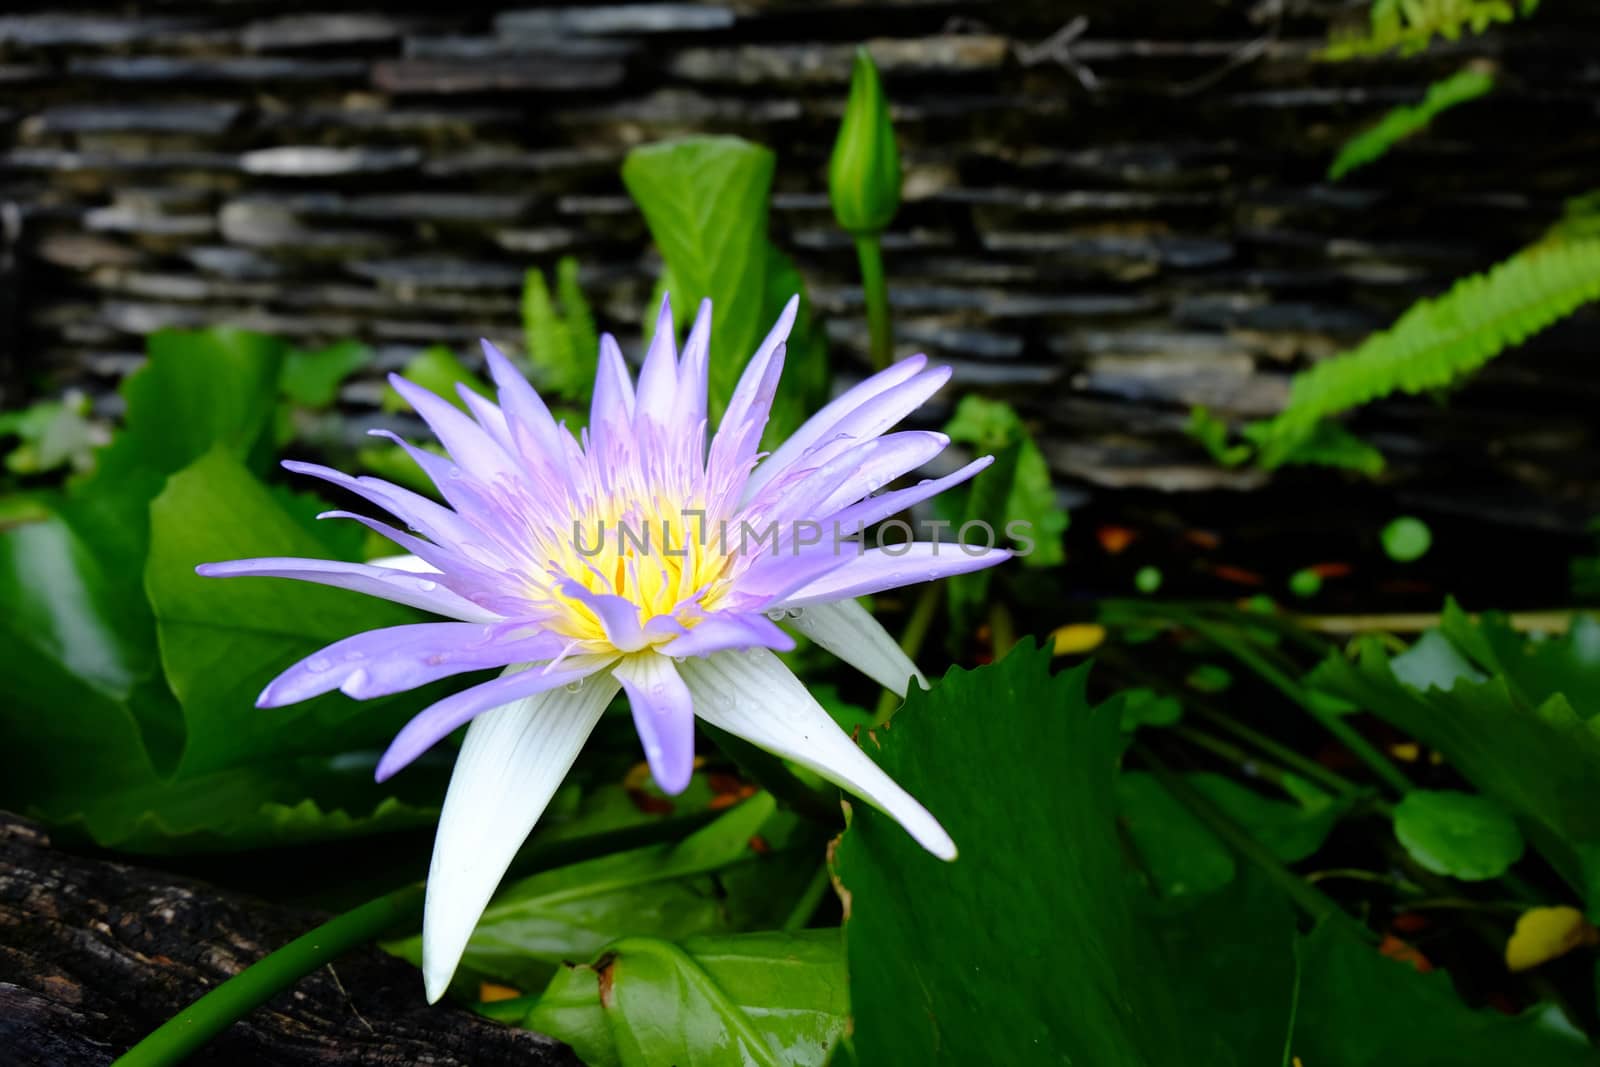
x=1540 y=761
x=1026 y=945
x=1406 y=539
x=670 y=891
x=1459 y=834
x=1359 y=1009
x=762 y=999
x=1180 y=856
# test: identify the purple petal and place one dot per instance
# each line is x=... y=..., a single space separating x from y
x=436 y=556
x=772 y=578
x=878 y=569
x=613 y=390
x=489 y=417
x=467 y=442
x=658 y=377
x=846 y=478
x=533 y=430
x=725 y=630
x=435 y=522
x=664 y=716
x=618 y=615
x=820 y=426
x=458 y=485
x=435 y=723
x=858 y=517
x=397 y=658
x=402 y=587
x=739 y=438
x=885 y=410
x=694 y=369
x=751 y=402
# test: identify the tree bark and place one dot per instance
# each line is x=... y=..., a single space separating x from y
x=94 y=955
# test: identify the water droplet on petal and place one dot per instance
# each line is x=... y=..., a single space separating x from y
x=795 y=613
x=320 y=663
x=573 y=687
x=777 y=614
x=427 y=585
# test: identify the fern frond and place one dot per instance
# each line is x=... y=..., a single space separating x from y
x=541 y=337
x=580 y=320
x=562 y=347
x=1327 y=445
x=1580 y=218
x=1438 y=340
x=1400 y=123
x=1212 y=433
x=1409 y=26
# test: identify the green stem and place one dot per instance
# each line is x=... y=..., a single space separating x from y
x=876 y=290
x=184 y=1033
x=1307 y=768
x=1314 y=903
x=918 y=624
x=1002 y=630
x=806 y=906
x=1361 y=874
x=1250 y=766
x=1359 y=746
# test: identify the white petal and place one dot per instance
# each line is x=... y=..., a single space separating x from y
x=751 y=693
x=511 y=763
x=848 y=630
x=414 y=564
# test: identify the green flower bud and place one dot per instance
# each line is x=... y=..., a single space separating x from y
x=864 y=173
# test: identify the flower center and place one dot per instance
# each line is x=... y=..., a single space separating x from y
x=664 y=559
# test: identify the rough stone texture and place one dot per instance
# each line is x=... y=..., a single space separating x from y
x=1105 y=224
x=95 y=955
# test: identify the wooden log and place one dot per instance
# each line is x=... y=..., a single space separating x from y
x=94 y=955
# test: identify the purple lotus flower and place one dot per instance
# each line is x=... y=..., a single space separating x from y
x=633 y=559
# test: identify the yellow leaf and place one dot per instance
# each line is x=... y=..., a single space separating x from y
x=1077 y=637
x=489 y=992
x=1405 y=751
x=1544 y=933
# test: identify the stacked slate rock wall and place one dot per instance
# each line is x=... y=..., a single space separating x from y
x=1114 y=209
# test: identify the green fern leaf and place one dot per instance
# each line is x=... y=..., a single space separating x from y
x=580 y=321
x=1327 y=445
x=563 y=347
x=1409 y=26
x=1400 y=123
x=1212 y=433
x=1437 y=341
x=1580 y=218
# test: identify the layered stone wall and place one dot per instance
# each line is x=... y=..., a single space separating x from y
x=1113 y=209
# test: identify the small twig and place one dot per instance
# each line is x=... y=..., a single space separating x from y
x=810 y=898
x=350 y=1003
x=1553 y=622
x=1058 y=48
